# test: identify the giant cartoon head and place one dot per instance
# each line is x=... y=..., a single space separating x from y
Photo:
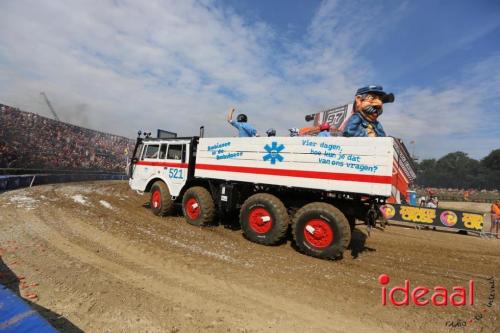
x=369 y=101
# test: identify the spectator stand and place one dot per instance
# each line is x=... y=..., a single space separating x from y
x=28 y=140
x=453 y=194
x=36 y=150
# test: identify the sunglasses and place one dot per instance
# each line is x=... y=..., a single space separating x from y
x=370 y=97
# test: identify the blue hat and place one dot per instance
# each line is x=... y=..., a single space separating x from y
x=378 y=90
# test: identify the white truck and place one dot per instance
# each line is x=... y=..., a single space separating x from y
x=318 y=186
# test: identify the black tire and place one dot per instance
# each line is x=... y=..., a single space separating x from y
x=204 y=212
x=261 y=206
x=334 y=233
x=160 y=201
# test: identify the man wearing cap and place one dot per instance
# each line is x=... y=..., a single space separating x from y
x=368 y=106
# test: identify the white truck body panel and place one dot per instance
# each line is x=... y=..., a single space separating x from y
x=356 y=165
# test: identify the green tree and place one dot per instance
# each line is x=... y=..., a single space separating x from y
x=492 y=161
x=491 y=170
x=426 y=173
x=458 y=170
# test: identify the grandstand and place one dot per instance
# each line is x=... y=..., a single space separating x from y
x=31 y=141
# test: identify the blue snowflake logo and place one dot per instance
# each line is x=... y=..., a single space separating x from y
x=273 y=152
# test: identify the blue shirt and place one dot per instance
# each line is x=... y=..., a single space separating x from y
x=244 y=129
x=324 y=133
x=357 y=126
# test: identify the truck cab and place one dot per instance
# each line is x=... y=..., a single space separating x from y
x=167 y=160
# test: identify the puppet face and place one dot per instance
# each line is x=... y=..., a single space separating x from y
x=367 y=104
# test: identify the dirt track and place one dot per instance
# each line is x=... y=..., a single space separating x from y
x=104 y=263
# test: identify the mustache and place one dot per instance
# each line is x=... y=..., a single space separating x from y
x=373 y=109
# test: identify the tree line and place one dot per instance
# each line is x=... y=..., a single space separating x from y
x=457 y=170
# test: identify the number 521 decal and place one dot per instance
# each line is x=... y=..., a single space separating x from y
x=175 y=173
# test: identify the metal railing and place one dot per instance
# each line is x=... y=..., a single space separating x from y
x=23 y=171
x=11 y=182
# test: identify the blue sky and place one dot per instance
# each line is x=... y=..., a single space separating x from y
x=121 y=65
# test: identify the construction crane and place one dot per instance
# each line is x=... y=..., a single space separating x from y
x=50 y=105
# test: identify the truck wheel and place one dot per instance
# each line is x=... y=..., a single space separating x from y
x=161 y=203
x=264 y=219
x=198 y=206
x=321 y=230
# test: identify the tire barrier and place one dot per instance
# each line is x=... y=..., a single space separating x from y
x=11 y=182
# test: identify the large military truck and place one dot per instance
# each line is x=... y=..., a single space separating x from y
x=316 y=186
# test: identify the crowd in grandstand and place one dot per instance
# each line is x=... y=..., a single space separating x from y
x=454 y=194
x=28 y=140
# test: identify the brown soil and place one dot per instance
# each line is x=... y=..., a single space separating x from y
x=104 y=263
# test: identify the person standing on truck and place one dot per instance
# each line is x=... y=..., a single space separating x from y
x=324 y=130
x=294 y=131
x=368 y=106
x=244 y=128
x=271 y=132
x=495 y=217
